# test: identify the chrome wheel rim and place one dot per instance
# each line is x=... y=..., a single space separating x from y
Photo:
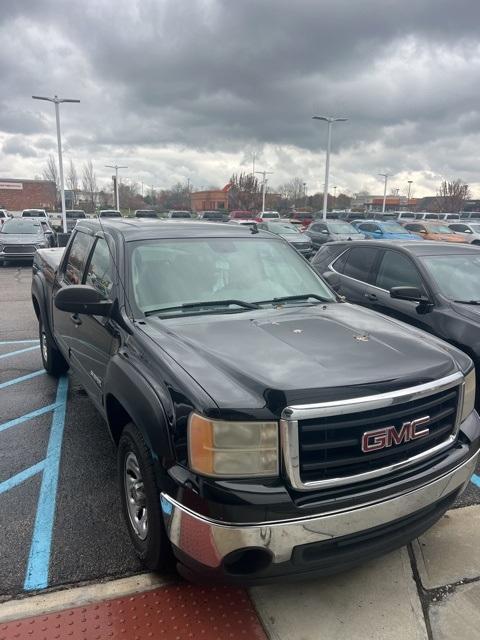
x=43 y=345
x=135 y=496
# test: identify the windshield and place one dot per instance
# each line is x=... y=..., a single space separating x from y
x=180 y=214
x=270 y=214
x=438 y=228
x=342 y=227
x=110 y=214
x=21 y=226
x=393 y=227
x=282 y=227
x=170 y=273
x=457 y=276
x=75 y=214
x=33 y=213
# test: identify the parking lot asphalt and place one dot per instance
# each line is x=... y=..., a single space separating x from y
x=61 y=519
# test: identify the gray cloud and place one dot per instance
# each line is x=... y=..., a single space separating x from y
x=209 y=76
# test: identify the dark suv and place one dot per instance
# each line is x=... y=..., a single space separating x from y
x=431 y=285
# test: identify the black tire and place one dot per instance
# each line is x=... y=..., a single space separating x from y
x=53 y=361
x=154 y=550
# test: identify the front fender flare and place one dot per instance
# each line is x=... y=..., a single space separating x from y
x=146 y=409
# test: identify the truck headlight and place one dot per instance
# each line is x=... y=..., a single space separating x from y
x=232 y=449
x=469 y=390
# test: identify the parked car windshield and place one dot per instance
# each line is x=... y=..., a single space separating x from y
x=270 y=214
x=75 y=214
x=342 y=227
x=457 y=276
x=33 y=213
x=171 y=273
x=393 y=227
x=438 y=228
x=282 y=227
x=18 y=225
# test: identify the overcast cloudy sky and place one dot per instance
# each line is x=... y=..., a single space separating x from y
x=179 y=89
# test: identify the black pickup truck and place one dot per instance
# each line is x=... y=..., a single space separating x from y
x=264 y=426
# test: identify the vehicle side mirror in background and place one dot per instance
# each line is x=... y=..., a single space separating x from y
x=80 y=298
x=378 y=232
x=324 y=231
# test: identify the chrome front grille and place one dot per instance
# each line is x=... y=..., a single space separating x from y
x=322 y=443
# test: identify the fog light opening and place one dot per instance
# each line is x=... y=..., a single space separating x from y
x=246 y=562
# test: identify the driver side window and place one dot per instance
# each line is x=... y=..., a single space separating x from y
x=396 y=270
x=77 y=257
x=100 y=271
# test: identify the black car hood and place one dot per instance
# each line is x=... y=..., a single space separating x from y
x=297 y=354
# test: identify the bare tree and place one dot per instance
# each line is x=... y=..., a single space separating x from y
x=293 y=190
x=73 y=182
x=451 y=196
x=50 y=171
x=244 y=192
x=89 y=184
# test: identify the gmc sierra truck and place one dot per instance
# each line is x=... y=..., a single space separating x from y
x=264 y=427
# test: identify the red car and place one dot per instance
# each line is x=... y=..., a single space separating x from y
x=242 y=215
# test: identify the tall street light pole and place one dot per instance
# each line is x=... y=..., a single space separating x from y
x=56 y=100
x=264 y=184
x=385 y=177
x=329 y=120
x=116 y=167
x=409 y=188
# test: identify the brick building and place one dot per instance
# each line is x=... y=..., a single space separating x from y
x=209 y=200
x=16 y=194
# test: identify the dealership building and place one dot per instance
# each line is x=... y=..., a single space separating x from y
x=16 y=195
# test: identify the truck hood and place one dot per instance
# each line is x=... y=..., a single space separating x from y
x=286 y=355
x=21 y=238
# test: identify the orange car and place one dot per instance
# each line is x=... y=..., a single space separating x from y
x=434 y=231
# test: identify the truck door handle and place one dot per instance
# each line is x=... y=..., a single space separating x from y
x=76 y=319
x=371 y=296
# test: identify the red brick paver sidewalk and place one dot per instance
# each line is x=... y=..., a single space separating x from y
x=175 y=612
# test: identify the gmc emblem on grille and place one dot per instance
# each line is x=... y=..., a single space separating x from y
x=388 y=436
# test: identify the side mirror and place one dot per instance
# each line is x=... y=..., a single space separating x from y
x=81 y=298
x=378 y=232
x=324 y=231
x=413 y=294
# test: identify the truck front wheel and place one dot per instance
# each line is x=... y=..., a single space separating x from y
x=140 y=497
x=53 y=361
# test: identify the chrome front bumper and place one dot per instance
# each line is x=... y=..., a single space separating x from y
x=208 y=542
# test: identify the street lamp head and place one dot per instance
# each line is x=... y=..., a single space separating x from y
x=329 y=119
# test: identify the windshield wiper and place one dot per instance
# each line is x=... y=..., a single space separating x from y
x=303 y=296
x=467 y=301
x=204 y=305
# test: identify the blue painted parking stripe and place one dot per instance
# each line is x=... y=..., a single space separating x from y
x=28 y=416
x=18 y=341
x=16 y=353
x=40 y=550
x=29 y=376
x=476 y=480
x=21 y=477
